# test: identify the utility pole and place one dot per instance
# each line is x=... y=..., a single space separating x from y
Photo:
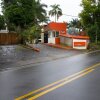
x=96 y=38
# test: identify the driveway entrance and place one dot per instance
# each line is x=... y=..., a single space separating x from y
x=15 y=55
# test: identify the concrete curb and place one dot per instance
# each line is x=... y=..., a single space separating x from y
x=31 y=47
x=58 y=46
x=34 y=48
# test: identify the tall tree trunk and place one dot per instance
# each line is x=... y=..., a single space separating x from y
x=55 y=17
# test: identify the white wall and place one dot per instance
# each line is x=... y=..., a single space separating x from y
x=80 y=47
x=66 y=40
x=42 y=37
x=4 y=31
x=51 y=40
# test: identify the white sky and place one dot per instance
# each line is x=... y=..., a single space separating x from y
x=69 y=7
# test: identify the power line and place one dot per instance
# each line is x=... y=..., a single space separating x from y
x=69 y=15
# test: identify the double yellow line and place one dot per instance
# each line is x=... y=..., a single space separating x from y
x=46 y=89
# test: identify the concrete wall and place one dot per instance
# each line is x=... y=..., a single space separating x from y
x=42 y=37
x=67 y=41
x=4 y=31
x=51 y=40
x=80 y=44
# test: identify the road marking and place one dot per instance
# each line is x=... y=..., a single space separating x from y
x=38 y=63
x=60 y=85
x=58 y=82
x=24 y=96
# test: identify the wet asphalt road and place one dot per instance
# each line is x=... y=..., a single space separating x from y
x=15 y=83
x=12 y=56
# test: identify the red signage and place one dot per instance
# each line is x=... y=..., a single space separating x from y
x=79 y=44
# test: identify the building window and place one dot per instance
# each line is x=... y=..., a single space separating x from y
x=57 y=34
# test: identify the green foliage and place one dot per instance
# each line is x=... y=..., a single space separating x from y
x=91 y=32
x=2 y=23
x=56 y=11
x=75 y=23
x=31 y=33
x=23 y=13
x=94 y=46
x=90 y=18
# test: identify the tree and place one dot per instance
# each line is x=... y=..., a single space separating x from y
x=39 y=12
x=75 y=23
x=24 y=17
x=23 y=13
x=2 y=23
x=90 y=18
x=56 y=11
x=31 y=33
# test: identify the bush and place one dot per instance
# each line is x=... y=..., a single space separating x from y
x=31 y=34
x=94 y=46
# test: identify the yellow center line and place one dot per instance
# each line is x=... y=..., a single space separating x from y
x=60 y=85
x=57 y=82
x=33 y=92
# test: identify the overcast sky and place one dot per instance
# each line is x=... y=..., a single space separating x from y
x=69 y=7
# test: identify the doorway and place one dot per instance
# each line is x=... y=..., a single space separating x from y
x=46 y=37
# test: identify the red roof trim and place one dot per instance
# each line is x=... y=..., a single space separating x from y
x=75 y=37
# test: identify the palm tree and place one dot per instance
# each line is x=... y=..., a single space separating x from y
x=39 y=11
x=56 y=11
x=75 y=23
